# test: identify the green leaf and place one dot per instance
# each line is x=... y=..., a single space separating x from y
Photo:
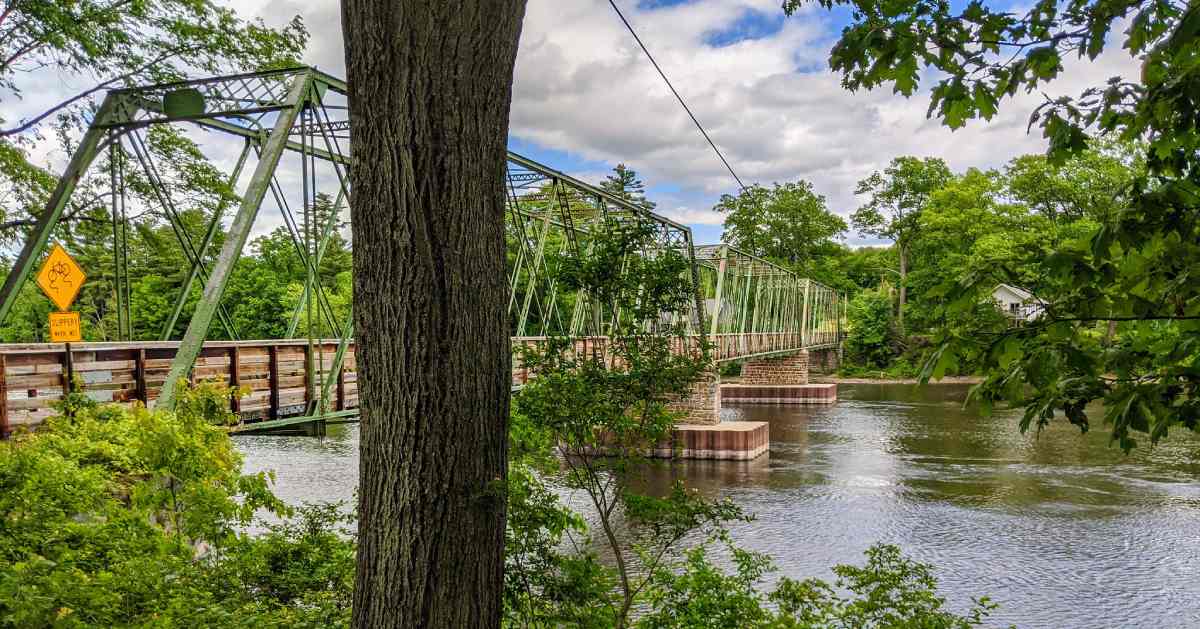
x=1010 y=351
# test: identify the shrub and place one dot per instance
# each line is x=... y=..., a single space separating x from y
x=890 y=591
x=117 y=517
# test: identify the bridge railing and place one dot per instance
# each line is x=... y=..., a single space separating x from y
x=746 y=296
x=597 y=347
x=736 y=346
x=274 y=374
x=724 y=347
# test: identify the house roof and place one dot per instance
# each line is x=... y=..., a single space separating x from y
x=1021 y=293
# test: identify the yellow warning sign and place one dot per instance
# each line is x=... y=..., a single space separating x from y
x=60 y=278
x=64 y=327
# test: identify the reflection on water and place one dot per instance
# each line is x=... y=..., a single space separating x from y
x=1062 y=530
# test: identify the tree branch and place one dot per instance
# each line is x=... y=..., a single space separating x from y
x=11 y=6
x=25 y=126
x=1129 y=318
x=29 y=47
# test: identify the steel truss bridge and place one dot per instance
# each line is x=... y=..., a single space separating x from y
x=294 y=123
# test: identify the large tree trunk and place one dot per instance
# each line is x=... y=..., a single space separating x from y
x=430 y=88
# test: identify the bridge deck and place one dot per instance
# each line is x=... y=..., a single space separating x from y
x=273 y=374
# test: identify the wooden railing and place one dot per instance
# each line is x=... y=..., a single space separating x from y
x=272 y=371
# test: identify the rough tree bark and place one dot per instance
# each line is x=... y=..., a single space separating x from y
x=430 y=88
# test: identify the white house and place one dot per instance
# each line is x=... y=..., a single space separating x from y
x=1017 y=303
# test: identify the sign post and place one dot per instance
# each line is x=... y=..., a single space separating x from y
x=61 y=278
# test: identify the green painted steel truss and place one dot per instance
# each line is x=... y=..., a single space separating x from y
x=294 y=123
x=755 y=307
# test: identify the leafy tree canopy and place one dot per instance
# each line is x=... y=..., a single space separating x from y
x=897 y=195
x=117 y=42
x=1094 y=184
x=787 y=223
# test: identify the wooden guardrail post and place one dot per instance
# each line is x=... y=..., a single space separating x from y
x=273 y=382
x=309 y=380
x=341 y=387
x=4 y=425
x=140 y=391
x=235 y=378
x=68 y=370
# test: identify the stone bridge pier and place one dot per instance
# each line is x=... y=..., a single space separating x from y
x=777 y=370
x=793 y=369
x=825 y=361
x=784 y=379
x=702 y=435
x=702 y=405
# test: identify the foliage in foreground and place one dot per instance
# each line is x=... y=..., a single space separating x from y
x=889 y=591
x=129 y=517
x=115 y=517
x=549 y=582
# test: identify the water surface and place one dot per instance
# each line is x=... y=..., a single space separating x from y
x=1062 y=530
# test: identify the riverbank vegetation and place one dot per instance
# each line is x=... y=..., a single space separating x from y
x=117 y=517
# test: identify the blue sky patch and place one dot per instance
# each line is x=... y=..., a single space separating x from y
x=750 y=25
x=649 y=5
x=568 y=163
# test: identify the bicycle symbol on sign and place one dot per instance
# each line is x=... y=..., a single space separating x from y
x=59 y=271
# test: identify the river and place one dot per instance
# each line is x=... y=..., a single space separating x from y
x=1063 y=531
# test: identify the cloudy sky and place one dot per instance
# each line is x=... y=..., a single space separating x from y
x=586 y=98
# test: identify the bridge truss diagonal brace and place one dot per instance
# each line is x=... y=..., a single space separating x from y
x=89 y=147
x=239 y=231
x=213 y=226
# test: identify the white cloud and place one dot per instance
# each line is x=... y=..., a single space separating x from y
x=692 y=216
